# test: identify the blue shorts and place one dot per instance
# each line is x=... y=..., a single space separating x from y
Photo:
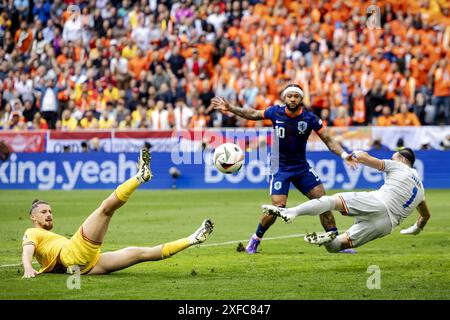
x=304 y=178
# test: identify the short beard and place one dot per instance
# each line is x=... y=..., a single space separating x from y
x=293 y=110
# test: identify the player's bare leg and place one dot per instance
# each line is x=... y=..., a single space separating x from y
x=95 y=226
x=265 y=223
x=314 y=207
x=326 y=218
x=127 y=257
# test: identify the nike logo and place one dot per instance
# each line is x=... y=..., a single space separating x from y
x=278 y=121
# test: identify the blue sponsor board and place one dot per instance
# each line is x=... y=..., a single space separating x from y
x=68 y=171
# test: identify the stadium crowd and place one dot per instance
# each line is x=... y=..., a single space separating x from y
x=157 y=64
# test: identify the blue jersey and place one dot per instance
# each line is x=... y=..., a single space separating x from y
x=292 y=134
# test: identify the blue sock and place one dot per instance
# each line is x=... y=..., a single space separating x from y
x=334 y=229
x=260 y=231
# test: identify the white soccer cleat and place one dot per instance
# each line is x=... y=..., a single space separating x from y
x=320 y=238
x=144 y=173
x=279 y=212
x=202 y=233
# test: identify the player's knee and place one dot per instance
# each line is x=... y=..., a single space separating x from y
x=106 y=209
x=329 y=201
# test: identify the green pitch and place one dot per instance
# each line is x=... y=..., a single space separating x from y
x=412 y=267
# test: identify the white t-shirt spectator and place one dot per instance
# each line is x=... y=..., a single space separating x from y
x=119 y=65
x=182 y=116
x=217 y=20
x=164 y=120
x=142 y=37
x=25 y=89
x=72 y=30
x=49 y=101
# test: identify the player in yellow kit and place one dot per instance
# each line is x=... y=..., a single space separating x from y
x=56 y=253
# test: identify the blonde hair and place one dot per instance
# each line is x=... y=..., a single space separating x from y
x=35 y=204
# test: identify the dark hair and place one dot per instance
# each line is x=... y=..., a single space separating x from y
x=409 y=154
x=35 y=203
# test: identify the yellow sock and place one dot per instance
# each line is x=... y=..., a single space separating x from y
x=124 y=191
x=170 y=248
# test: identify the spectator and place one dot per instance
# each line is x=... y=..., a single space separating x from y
x=39 y=123
x=106 y=122
x=378 y=146
x=375 y=99
x=29 y=111
x=84 y=147
x=441 y=94
x=68 y=122
x=199 y=120
x=342 y=119
x=42 y=10
x=89 y=121
x=182 y=114
x=386 y=118
x=425 y=143
x=405 y=117
x=23 y=38
x=424 y=110
x=22 y=6
x=49 y=102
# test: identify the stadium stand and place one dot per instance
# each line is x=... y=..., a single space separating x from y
x=156 y=64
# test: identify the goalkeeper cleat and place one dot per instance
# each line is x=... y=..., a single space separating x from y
x=277 y=211
x=253 y=244
x=144 y=173
x=202 y=233
x=320 y=238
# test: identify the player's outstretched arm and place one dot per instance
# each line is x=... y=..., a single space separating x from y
x=223 y=105
x=366 y=159
x=424 y=216
x=336 y=148
x=27 y=257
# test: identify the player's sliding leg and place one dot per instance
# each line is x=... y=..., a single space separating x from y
x=124 y=258
x=313 y=207
x=326 y=217
x=278 y=201
x=95 y=226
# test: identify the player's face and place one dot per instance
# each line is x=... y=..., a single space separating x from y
x=42 y=216
x=293 y=101
x=397 y=157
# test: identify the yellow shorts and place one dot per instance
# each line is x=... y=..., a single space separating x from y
x=80 y=251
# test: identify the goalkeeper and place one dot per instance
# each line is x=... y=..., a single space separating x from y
x=56 y=253
x=377 y=213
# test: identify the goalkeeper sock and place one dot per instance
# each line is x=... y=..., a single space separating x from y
x=170 y=248
x=313 y=207
x=124 y=191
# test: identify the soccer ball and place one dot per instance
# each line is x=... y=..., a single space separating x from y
x=228 y=158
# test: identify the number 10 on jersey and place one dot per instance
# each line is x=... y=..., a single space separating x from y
x=280 y=131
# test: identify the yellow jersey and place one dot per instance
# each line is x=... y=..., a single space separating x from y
x=47 y=245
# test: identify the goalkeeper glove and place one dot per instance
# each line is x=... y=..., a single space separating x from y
x=413 y=230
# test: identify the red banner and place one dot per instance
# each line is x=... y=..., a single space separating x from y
x=24 y=141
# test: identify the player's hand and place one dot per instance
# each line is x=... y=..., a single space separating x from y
x=352 y=163
x=30 y=273
x=221 y=104
x=413 y=230
x=349 y=160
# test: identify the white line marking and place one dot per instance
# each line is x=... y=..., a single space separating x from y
x=13 y=265
x=265 y=239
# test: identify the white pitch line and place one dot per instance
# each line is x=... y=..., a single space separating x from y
x=204 y=245
x=265 y=239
